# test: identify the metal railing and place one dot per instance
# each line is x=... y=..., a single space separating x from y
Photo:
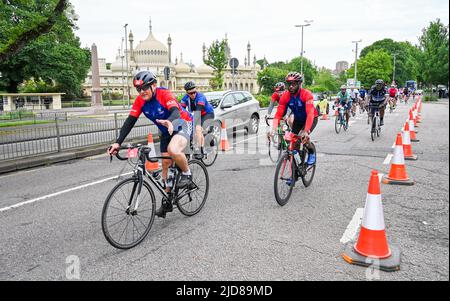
x=20 y=142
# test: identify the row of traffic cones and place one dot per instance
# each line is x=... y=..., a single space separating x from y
x=372 y=248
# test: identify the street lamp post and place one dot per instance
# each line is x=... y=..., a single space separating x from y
x=356 y=60
x=123 y=80
x=126 y=59
x=395 y=61
x=307 y=23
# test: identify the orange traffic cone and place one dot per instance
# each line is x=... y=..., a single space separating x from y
x=398 y=175
x=151 y=166
x=416 y=114
x=407 y=148
x=414 y=117
x=412 y=128
x=372 y=249
x=324 y=116
x=224 y=145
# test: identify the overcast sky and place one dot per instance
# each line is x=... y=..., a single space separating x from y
x=268 y=25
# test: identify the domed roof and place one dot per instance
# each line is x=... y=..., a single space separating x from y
x=151 y=51
x=182 y=67
x=118 y=65
x=205 y=69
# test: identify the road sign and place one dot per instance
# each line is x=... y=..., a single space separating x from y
x=166 y=73
x=234 y=63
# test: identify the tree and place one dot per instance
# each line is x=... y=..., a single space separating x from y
x=20 y=25
x=406 y=65
x=434 y=44
x=269 y=77
x=216 y=58
x=263 y=63
x=54 y=57
x=309 y=70
x=325 y=81
x=376 y=64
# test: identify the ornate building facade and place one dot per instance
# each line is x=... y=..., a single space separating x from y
x=154 y=56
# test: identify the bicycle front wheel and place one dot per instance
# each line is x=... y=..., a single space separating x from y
x=373 y=128
x=310 y=171
x=274 y=149
x=211 y=152
x=284 y=179
x=124 y=225
x=193 y=197
x=338 y=124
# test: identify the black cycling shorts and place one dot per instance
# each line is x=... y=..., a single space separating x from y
x=299 y=125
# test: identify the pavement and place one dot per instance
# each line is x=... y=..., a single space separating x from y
x=50 y=216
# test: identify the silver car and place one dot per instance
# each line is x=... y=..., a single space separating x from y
x=237 y=109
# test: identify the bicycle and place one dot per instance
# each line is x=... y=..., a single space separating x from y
x=132 y=201
x=391 y=105
x=375 y=129
x=294 y=163
x=211 y=152
x=340 y=120
x=277 y=144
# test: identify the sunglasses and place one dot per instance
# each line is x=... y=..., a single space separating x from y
x=192 y=93
x=143 y=88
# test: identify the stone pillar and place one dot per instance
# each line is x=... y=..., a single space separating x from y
x=57 y=105
x=249 y=48
x=97 y=104
x=169 y=43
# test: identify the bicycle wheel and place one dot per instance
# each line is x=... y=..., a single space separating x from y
x=284 y=179
x=310 y=171
x=338 y=124
x=373 y=128
x=118 y=219
x=274 y=148
x=193 y=198
x=211 y=152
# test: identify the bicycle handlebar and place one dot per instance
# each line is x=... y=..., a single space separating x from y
x=146 y=150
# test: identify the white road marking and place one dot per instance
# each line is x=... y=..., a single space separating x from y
x=59 y=193
x=388 y=159
x=353 y=226
x=351 y=122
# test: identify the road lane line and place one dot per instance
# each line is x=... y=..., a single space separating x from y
x=59 y=193
x=388 y=159
x=353 y=226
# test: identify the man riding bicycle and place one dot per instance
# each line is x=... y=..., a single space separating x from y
x=276 y=96
x=354 y=94
x=197 y=104
x=377 y=98
x=174 y=124
x=362 y=97
x=393 y=95
x=343 y=99
x=305 y=116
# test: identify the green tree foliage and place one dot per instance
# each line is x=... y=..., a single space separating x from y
x=269 y=77
x=54 y=57
x=434 y=44
x=407 y=63
x=376 y=64
x=325 y=81
x=216 y=58
x=276 y=72
x=263 y=63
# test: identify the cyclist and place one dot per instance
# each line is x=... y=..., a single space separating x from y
x=362 y=98
x=279 y=90
x=174 y=124
x=305 y=115
x=377 y=97
x=393 y=95
x=343 y=98
x=406 y=94
x=354 y=93
x=197 y=104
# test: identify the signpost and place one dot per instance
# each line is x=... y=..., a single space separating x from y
x=167 y=75
x=234 y=64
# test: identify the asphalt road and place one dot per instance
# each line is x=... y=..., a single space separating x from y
x=241 y=234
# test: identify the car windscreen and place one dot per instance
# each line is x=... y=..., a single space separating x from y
x=214 y=99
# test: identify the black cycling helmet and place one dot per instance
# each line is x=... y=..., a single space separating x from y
x=189 y=86
x=144 y=78
x=379 y=83
x=294 y=77
x=279 y=87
